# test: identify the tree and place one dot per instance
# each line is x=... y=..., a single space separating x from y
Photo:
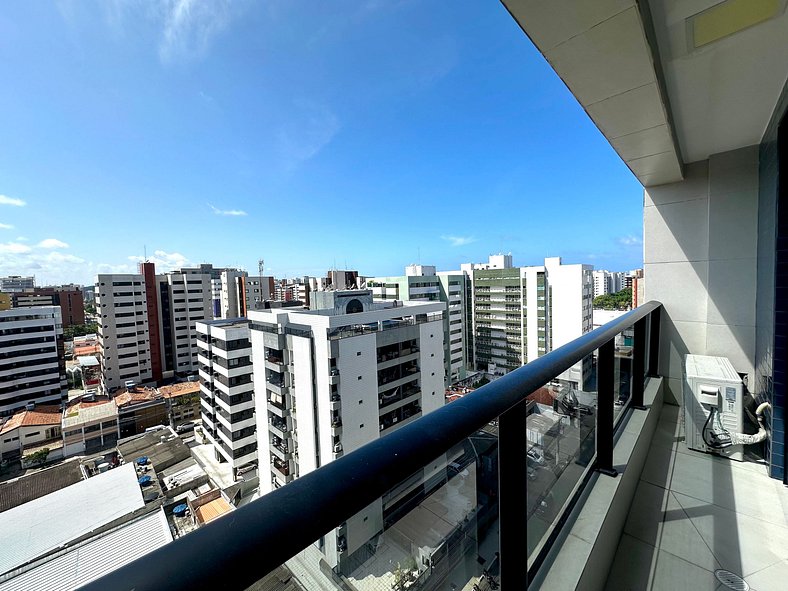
x=37 y=457
x=482 y=382
x=90 y=308
x=614 y=301
x=78 y=330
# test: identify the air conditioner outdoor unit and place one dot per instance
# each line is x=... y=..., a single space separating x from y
x=713 y=408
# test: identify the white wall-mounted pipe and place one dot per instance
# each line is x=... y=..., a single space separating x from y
x=743 y=439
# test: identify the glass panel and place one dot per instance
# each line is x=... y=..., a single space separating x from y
x=622 y=371
x=437 y=529
x=561 y=427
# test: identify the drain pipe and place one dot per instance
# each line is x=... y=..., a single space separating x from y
x=743 y=439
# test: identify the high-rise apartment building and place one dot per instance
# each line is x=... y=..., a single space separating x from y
x=125 y=348
x=227 y=390
x=161 y=311
x=253 y=292
x=330 y=379
x=521 y=313
x=32 y=360
x=606 y=282
x=423 y=283
x=185 y=298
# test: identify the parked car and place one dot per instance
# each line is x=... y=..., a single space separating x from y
x=536 y=456
x=185 y=427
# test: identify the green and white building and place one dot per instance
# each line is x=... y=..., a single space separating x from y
x=521 y=313
x=421 y=283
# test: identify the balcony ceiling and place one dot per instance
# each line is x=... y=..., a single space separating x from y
x=680 y=103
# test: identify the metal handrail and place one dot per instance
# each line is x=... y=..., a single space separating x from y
x=239 y=549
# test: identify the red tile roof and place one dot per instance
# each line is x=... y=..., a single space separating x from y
x=542 y=396
x=175 y=390
x=136 y=396
x=42 y=415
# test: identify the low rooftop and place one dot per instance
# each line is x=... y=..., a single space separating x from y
x=38 y=484
x=40 y=526
x=136 y=395
x=162 y=454
x=180 y=389
x=40 y=416
x=81 y=412
x=79 y=565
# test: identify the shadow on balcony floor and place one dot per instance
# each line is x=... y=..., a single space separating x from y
x=694 y=513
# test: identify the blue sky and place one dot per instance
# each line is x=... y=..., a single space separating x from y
x=367 y=134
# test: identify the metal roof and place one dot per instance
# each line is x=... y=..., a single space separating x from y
x=38 y=484
x=95 y=557
x=47 y=523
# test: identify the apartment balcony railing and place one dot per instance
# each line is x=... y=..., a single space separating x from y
x=267 y=532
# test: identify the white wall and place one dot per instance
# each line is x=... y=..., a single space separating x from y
x=261 y=411
x=304 y=404
x=360 y=423
x=700 y=249
x=432 y=367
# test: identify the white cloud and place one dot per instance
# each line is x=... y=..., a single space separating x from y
x=5 y=200
x=459 y=240
x=6 y=226
x=231 y=212
x=190 y=26
x=630 y=240
x=164 y=261
x=50 y=243
x=22 y=238
x=310 y=127
x=14 y=248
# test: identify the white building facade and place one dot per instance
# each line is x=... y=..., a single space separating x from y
x=227 y=390
x=332 y=379
x=32 y=361
x=124 y=340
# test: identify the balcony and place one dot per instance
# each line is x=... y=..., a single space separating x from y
x=274 y=363
x=577 y=449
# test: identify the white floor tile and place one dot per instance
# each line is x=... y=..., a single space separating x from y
x=740 y=543
x=772 y=578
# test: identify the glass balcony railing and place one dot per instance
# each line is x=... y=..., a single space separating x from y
x=438 y=502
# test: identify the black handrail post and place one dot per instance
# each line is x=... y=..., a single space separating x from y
x=604 y=411
x=638 y=365
x=653 y=343
x=512 y=495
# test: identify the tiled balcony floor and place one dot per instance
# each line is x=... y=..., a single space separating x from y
x=694 y=513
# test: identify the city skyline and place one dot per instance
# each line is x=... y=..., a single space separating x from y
x=362 y=135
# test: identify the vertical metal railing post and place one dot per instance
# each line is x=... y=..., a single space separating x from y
x=604 y=412
x=653 y=343
x=638 y=365
x=512 y=496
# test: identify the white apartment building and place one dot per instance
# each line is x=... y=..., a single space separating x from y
x=230 y=305
x=608 y=282
x=32 y=361
x=331 y=379
x=124 y=339
x=227 y=390
x=423 y=283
